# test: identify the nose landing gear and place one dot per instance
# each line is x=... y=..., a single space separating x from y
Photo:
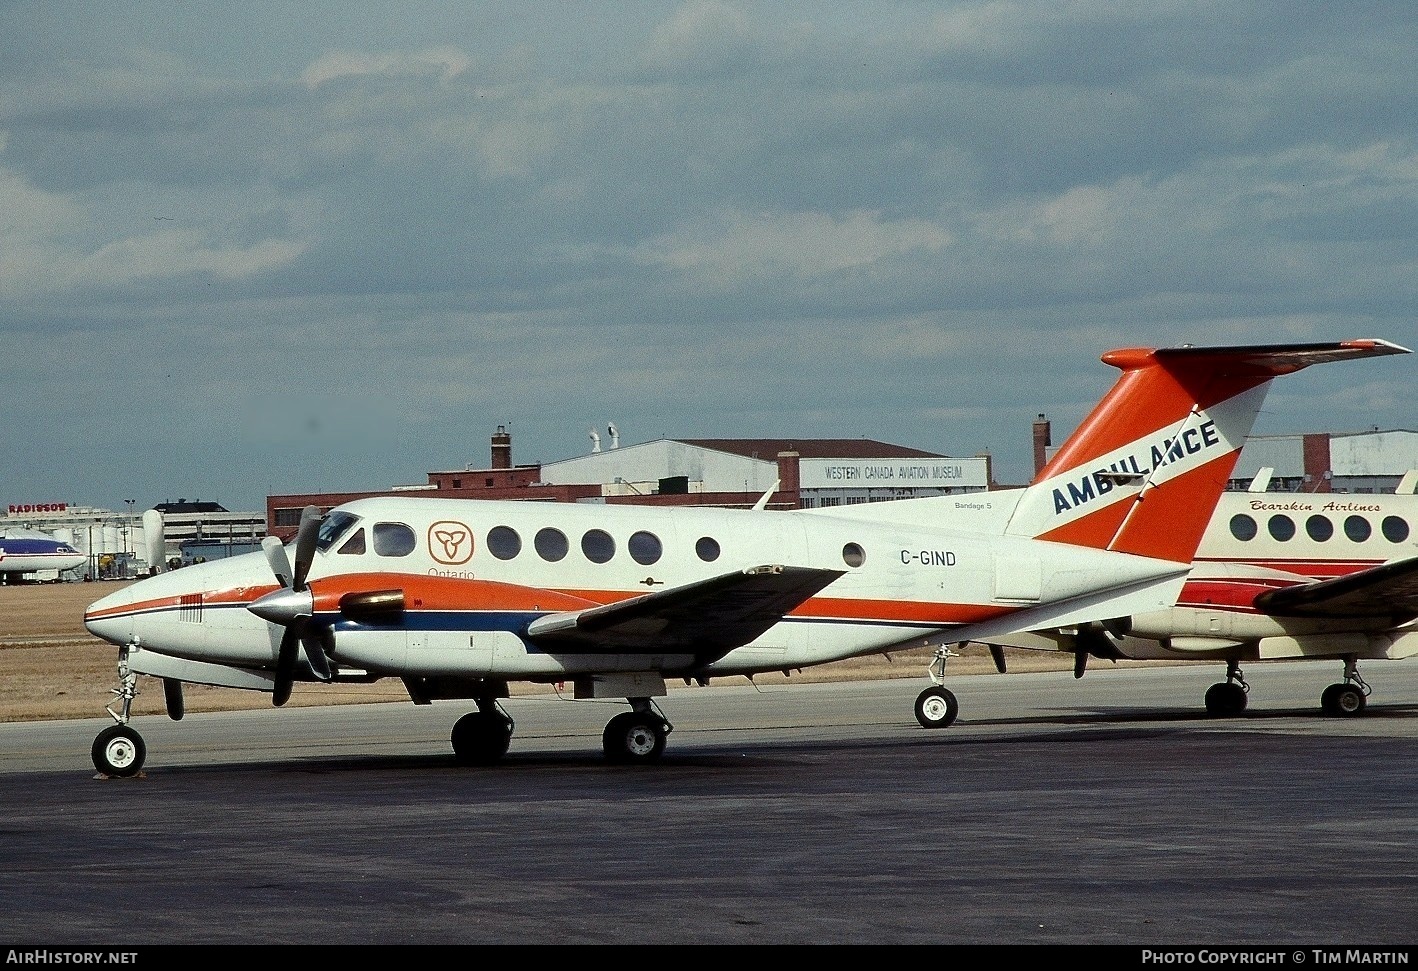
x=119 y=751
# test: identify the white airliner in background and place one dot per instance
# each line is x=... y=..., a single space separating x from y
x=1278 y=576
x=459 y=597
x=25 y=551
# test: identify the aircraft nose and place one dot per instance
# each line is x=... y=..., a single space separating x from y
x=109 y=617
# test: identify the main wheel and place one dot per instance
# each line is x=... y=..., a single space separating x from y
x=936 y=707
x=1345 y=700
x=481 y=737
x=634 y=738
x=1327 y=699
x=1225 y=698
x=119 y=751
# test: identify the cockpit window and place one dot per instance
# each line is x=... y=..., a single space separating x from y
x=332 y=527
x=393 y=539
x=355 y=544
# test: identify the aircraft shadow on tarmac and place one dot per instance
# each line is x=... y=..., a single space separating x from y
x=706 y=753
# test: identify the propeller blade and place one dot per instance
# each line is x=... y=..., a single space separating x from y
x=305 y=539
x=285 y=665
x=276 y=556
x=172 y=696
x=292 y=605
x=997 y=653
x=315 y=657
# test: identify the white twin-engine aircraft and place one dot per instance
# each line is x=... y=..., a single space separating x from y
x=457 y=598
x=1278 y=577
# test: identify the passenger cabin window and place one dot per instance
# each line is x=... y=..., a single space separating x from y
x=1281 y=527
x=393 y=539
x=1319 y=528
x=1243 y=527
x=551 y=544
x=853 y=555
x=1357 y=528
x=598 y=546
x=503 y=542
x=1395 y=529
x=707 y=549
x=644 y=548
x=355 y=544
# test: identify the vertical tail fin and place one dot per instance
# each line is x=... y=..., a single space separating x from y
x=1144 y=471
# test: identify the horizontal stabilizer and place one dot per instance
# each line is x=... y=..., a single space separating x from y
x=710 y=617
x=1389 y=590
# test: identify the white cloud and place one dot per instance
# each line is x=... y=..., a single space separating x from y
x=44 y=248
x=799 y=244
x=701 y=35
x=445 y=63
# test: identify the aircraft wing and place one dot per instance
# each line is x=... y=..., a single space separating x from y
x=710 y=616
x=1387 y=590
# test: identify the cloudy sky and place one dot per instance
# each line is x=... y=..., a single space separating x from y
x=259 y=248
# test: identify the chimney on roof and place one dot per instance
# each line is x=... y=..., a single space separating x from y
x=501 y=448
x=1042 y=441
x=790 y=477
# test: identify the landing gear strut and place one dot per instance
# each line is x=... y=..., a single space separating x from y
x=1348 y=697
x=1228 y=697
x=936 y=706
x=119 y=750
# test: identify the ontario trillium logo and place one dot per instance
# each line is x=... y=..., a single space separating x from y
x=450 y=542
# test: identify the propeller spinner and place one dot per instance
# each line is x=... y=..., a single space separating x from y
x=293 y=605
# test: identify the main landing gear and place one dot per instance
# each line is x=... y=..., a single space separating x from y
x=1226 y=698
x=1344 y=699
x=635 y=737
x=1348 y=697
x=119 y=751
x=481 y=737
x=936 y=706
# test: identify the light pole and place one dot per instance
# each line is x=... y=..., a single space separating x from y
x=127 y=524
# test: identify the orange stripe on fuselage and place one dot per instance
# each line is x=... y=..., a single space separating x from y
x=451 y=593
x=446 y=593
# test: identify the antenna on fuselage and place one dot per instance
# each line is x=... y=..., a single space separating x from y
x=762 y=502
x=1262 y=480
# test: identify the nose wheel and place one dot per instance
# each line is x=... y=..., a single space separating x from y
x=119 y=751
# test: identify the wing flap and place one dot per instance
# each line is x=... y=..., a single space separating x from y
x=708 y=617
x=1388 y=590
